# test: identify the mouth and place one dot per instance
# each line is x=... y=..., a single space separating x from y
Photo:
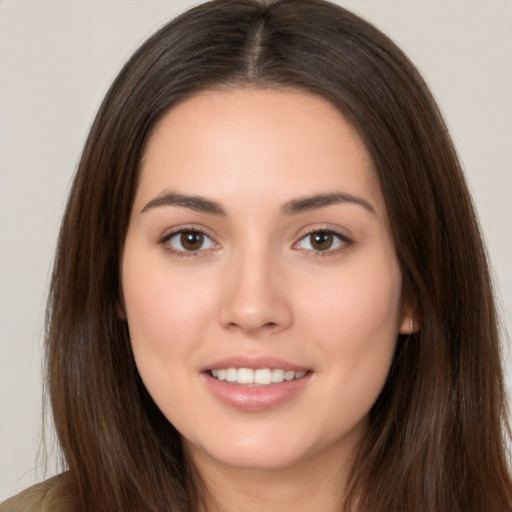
x=255 y=384
x=256 y=377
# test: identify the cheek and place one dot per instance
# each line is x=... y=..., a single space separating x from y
x=166 y=310
x=359 y=298
x=166 y=314
x=355 y=319
x=156 y=294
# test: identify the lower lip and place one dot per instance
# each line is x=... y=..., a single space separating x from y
x=254 y=398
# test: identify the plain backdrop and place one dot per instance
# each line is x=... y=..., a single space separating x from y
x=57 y=59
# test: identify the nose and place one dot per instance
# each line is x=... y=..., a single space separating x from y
x=255 y=297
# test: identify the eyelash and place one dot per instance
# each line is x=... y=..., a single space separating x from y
x=343 y=242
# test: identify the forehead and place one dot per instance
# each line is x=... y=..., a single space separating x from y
x=245 y=142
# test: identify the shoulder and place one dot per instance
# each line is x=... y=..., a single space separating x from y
x=48 y=496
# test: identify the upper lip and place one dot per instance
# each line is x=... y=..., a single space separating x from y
x=253 y=362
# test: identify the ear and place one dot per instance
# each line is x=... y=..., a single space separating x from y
x=410 y=320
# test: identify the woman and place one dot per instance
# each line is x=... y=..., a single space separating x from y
x=270 y=290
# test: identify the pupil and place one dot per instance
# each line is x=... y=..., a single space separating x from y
x=321 y=241
x=191 y=240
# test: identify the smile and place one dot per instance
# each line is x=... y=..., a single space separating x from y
x=258 y=377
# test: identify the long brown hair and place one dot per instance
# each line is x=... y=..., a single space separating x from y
x=437 y=435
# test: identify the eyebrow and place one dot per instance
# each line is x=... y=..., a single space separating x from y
x=322 y=200
x=196 y=203
x=293 y=207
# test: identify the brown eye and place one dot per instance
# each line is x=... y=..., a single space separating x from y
x=321 y=240
x=188 y=241
x=191 y=240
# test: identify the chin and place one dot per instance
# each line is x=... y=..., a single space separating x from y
x=255 y=451
x=274 y=450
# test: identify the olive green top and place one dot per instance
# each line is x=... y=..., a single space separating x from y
x=48 y=496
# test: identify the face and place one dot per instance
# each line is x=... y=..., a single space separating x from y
x=260 y=282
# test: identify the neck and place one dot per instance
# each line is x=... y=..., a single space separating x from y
x=316 y=485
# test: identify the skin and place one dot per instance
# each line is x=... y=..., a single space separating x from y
x=259 y=286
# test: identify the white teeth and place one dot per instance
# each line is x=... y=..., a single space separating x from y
x=289 y=375
x=245 y=376
x=277 y=375
x=263 y=376
x=231 y=375
x=260 y=377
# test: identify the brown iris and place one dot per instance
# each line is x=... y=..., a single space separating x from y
x=191 y=240
x=321 y=240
